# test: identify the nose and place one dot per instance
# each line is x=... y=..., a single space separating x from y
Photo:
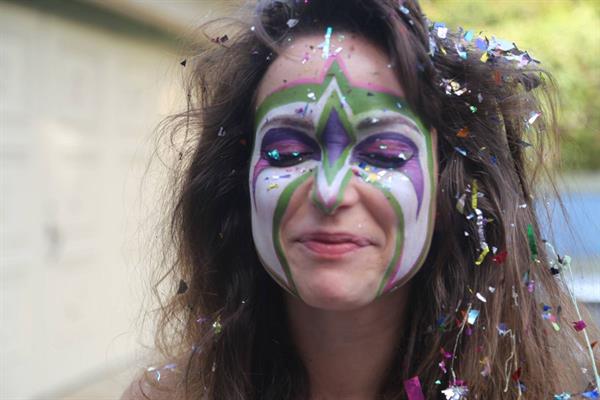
x=329 y=193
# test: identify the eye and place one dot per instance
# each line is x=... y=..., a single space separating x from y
x=385 y=152
x=279 y=156
x=283 y=147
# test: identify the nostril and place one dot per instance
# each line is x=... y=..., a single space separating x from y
x=329 y=195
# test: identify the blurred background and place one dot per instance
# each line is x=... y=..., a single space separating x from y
x=83 y=84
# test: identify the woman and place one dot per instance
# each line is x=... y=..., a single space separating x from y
x=354 y=217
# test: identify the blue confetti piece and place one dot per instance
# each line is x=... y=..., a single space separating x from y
x=481 y=44
x=562 y=396
x=472 y=317
x=592 y=394
x=460 y=150
x=274 y=154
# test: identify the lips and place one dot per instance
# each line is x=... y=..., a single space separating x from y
x=328 y=245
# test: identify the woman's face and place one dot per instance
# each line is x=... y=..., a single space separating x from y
x=342 y=176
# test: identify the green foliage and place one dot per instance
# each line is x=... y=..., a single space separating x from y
x=565 y=36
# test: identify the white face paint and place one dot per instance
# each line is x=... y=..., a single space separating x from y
x=342 y=185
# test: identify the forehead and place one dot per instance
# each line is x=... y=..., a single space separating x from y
x=366 y=64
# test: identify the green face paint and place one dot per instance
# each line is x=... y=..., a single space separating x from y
x=329 y=132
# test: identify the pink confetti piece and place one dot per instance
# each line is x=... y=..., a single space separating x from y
x=442 y=365
x=579 y=325
x=413 y=389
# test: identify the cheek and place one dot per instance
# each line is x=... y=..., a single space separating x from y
x=272 y=191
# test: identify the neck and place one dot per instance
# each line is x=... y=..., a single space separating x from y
x=347 y=353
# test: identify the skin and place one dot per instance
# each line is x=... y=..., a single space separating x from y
x=346 y=300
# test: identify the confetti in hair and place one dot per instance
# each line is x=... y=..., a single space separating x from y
x=532 y=243
x=327 y=43
x=566 y=264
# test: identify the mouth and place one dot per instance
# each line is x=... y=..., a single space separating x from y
x=332 y=245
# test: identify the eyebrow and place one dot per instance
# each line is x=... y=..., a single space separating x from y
x=290 y=121
x=371 y=122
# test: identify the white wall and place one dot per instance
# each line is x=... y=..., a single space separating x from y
x=77 y=109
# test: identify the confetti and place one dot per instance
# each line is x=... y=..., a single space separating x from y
x=500 y=257
x=579 y=325
x=473 y=315
x=532 y=243
x=482 y=255
x=221 y=39
x=463 y=133
x=442 y=365
x=502 y=329
x=487 y=368
x=274 y=154
x=481 y=43
x=458 y=392
x=440 y=29
x=547 y=315
x=413 y=389
x=591 y=394
x=562 y=396
x=272 y=186
x=533 y=116
x=445 y=353
x=183 y=287
x=327 y=42
x=461 y=51
x=217 y=327
x=461 y=151
x=312 y=96
x=480 y=297
x=292 y=22
x=516 y=375
x=221 y=132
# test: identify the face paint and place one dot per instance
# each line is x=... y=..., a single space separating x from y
x=334 y=130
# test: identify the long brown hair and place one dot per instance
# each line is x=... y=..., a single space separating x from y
x=224 y=321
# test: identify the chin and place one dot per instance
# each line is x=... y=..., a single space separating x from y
x=332 y=293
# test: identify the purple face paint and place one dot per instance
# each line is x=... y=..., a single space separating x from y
x=390 y=150
x=335 y=138
x=282 y=147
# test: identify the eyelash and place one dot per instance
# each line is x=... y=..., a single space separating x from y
x=384 y=159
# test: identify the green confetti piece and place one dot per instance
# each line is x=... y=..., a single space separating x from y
x=532 y=243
